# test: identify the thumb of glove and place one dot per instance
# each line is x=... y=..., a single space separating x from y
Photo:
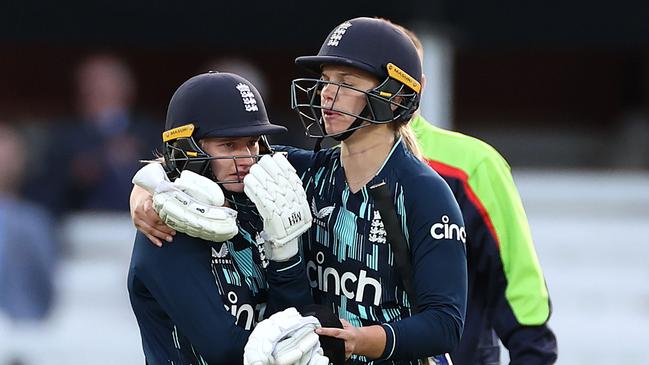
x=150 y=176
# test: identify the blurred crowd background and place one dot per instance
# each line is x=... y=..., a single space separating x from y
x=561 y=89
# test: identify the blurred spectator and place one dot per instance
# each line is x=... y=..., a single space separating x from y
x=28 y=249
x=243 y=67
x=94 y=154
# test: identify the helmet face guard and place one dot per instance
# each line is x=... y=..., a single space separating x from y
x=213 y=105
x=184 y=153
x=389 y=102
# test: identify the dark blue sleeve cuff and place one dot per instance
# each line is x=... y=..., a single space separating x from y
x=289 y=265
x=390 y=341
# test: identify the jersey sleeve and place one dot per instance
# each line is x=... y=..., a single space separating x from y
x=520 y=302
x=178 y=276
x=436 y=235
x=287 y=285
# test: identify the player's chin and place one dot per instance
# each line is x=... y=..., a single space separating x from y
x=337 y=125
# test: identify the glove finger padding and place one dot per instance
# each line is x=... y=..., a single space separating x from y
x=291 y=349
x=275 y=185
x=200 y=188
x=314 y=357
x=283 y=163
x=258 y=194
x=182 y=213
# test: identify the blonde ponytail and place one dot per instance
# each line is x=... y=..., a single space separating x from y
x=409 y=139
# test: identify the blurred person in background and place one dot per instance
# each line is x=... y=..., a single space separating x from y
x=507 y=297
x=97 y=151
x=242 y=67
x=28 y=246
x=28 y=249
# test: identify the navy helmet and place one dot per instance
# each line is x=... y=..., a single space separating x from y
x=213 y=104
x=375 y=46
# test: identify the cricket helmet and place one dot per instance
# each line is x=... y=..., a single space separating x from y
x=375 y=46
x=212 y=104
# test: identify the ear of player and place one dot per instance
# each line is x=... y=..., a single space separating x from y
x=277 y=192
x=192 y=204
x=285 y=338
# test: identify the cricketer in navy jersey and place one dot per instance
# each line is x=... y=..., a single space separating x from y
x=196 y=301
x=350 y=266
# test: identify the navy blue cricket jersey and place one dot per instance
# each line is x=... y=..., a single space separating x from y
x=196 y=301
x=350 y=264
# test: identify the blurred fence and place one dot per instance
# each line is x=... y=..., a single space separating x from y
x=592 y=236
x=591 y=232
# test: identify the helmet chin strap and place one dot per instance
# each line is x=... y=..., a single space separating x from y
x=352 y=127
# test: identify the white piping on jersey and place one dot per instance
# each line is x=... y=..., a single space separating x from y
x=389 y=155
x=294 y=265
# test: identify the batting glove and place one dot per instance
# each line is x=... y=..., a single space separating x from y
x=277 y=192
x=285 y=338
x=192 y=204
x=302 y=347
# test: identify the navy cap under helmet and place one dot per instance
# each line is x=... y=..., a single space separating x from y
x=368 y=44
x=220 y=104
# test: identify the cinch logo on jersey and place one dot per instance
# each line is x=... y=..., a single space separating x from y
x=249 y=101
x=245 y=309
x=323 y=277
x=337 y=34
x=448 y=231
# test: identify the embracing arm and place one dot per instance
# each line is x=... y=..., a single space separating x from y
x=145 y=218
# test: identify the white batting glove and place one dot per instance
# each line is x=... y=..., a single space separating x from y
x=302 y=347
x=314 y=357
x=277 y=192
x=283 y=339
x=192 y=204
